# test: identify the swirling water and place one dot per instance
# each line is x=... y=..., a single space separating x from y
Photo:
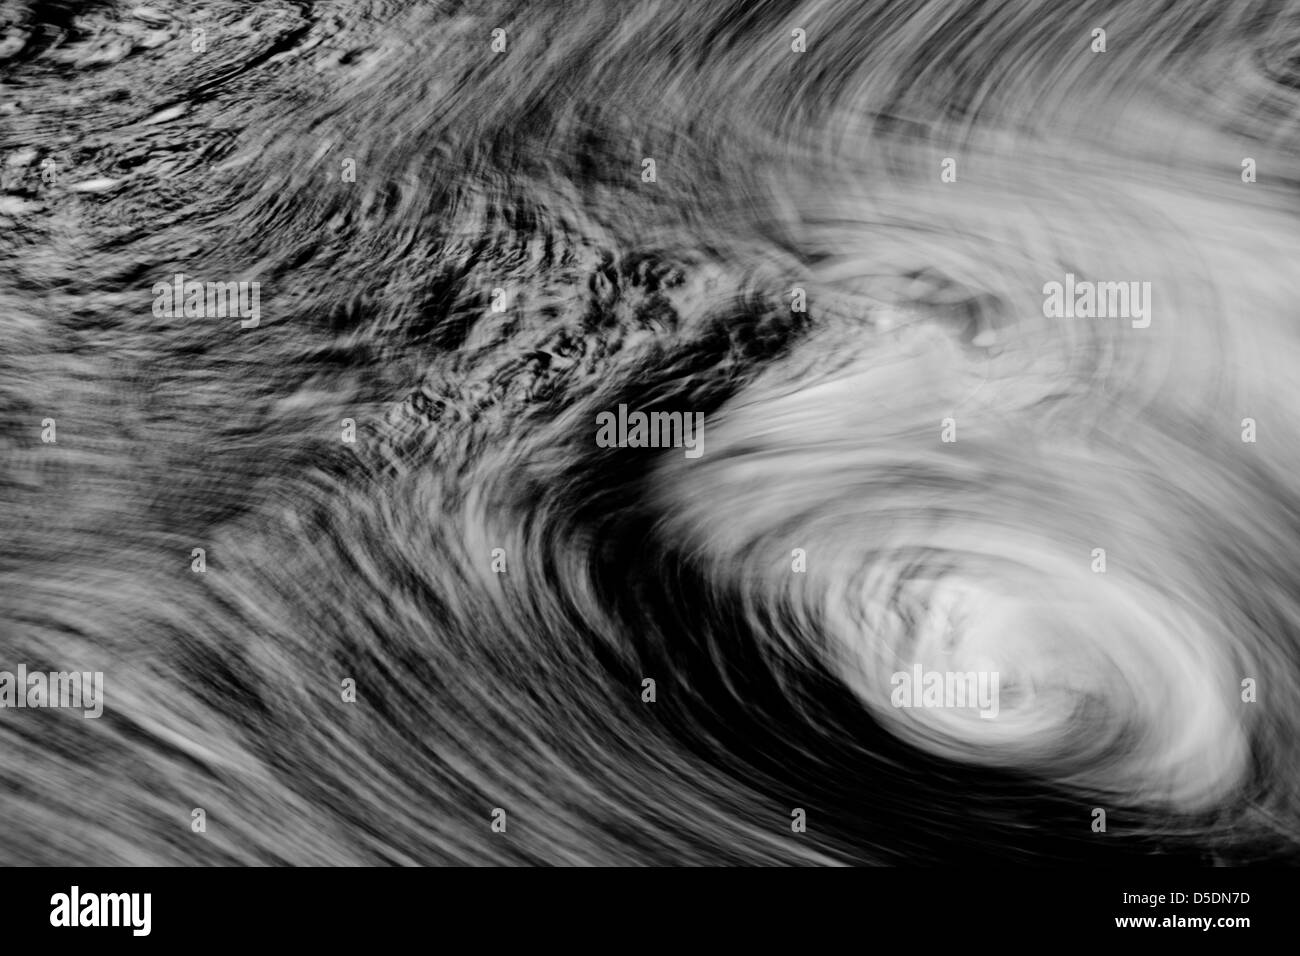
x=458 y=251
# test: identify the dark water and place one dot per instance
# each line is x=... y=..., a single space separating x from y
x=379 y=170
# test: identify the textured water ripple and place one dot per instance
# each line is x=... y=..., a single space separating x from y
x=497 y=583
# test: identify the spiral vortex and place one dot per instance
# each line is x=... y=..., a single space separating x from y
x=907 y=465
